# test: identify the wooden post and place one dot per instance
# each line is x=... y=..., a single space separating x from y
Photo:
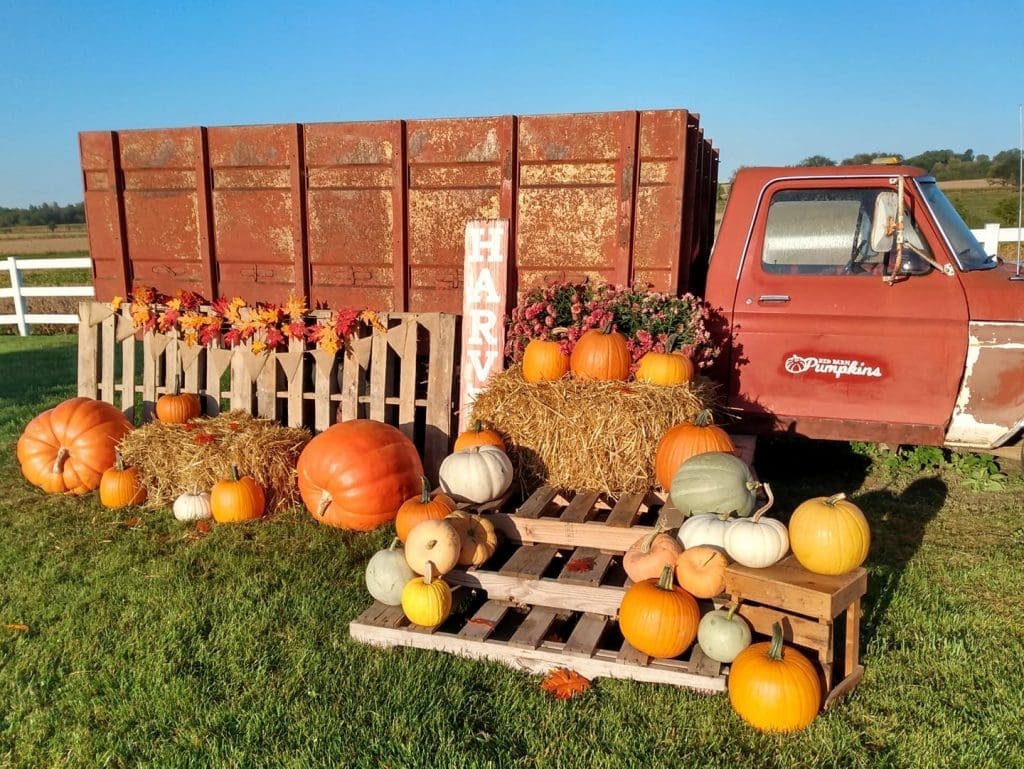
x=16 y=297
x=127 y=363
x=108 y=330
x=407 y=377
x=378 y=368
x=439 y=393
x=88 y=353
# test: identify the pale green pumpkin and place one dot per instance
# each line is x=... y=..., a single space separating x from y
x=714 y=482
x=722 y=634
x=387 y=574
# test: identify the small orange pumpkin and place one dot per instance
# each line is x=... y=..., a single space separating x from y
x=665 y=368
x=237 y=499
x=422 y=507
x=477 y=535
x=544 y=361
x=478 y=436
x=658 y=617
x=687 y=440
x=601 y=354
x=701 y=571
x=121 y=485
x=646 y=557
x=177 y=407
x=773 y=687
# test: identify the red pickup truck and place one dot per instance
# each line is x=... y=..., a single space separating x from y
x=860 y=307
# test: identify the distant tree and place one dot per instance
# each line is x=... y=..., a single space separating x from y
x=864 y=158
x=1006 y=212
x=817 y=161
x=45 y=214
x=1005 y=167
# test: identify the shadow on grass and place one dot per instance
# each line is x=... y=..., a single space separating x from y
x=35 y=372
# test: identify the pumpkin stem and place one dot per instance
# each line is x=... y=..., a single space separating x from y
x=665 y=583
x=394 y=543
x=428 y=573
x=424 y=490
x=704 y=418
x=177 y=384
x=831 y=501
x=733 y=608
x=670 y=343
x=558 y=331
x=234 y=473
x=775 y=650
x=607 y=327
x=709 y=559
x=324 y=503
x=118 y=461
x=58 y=461
x=771 y=501
x=645 y=545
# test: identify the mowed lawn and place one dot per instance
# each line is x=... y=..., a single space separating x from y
x=147 y=645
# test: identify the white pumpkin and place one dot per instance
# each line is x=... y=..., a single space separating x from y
x=192 y=506
x=722 y=634
x=704 y=529
x=387 y=574
x=757 y=542
x=479 y=474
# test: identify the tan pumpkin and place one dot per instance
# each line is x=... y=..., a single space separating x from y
x=649 y=555
x=434 y=541
x=477 y=536
x=701 y=571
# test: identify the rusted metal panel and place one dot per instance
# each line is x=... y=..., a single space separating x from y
x=104 y=213
x=162 y=171
x=990 y=406
x=575 y=200
x=659 y=203
x=255 y=177
x=355 y=202
x=458 y=170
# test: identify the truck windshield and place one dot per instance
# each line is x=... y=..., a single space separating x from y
x=966 y=249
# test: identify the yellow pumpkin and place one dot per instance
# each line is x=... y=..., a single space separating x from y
x=829 y=535
x=427 y=600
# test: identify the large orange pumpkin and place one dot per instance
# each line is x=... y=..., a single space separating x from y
x=659 y=618
x=67 y=448
x=774 y=688
x=601 y=354
x=355 y=475
x=687 y=440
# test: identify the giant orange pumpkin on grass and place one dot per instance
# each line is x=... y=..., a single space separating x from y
x=356 y=474
x=67 y=448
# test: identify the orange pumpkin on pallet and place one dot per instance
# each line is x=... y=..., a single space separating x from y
x=67 y=448
x=659 y=618
x=686 y=440
x=420 y=508
x=701 y=571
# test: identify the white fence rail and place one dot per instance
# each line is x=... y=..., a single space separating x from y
x=991 y=235
x=14 y=266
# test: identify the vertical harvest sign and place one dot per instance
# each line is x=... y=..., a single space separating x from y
x=485 y=276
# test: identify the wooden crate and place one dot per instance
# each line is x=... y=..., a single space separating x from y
x=404 y=376
x=558 y=568
x=820 y=613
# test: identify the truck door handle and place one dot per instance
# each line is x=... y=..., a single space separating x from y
x=773 y=298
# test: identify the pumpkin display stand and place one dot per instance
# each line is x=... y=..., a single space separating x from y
x=550 y=595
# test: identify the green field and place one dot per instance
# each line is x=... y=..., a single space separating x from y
x=150 y=647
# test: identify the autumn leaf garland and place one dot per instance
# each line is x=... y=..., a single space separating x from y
x=234 y=321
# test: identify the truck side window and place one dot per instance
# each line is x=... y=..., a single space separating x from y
x=822 y=232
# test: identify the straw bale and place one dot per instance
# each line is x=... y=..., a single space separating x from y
x=578 y=435
x=173 y=459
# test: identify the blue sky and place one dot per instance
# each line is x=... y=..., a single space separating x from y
x=774 y=82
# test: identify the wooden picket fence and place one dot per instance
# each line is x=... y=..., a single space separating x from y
x=404 y=376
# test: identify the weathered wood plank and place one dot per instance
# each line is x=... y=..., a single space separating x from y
x=148 y=377
x=88 y=353
x=266 y=388
x=480 y=626
x=241 y=383
x=108 y=333
x=407 y=377
x=537 y=502
x=529 y=561
x=580 y=508
x=294 y=365
x=586 y=635
x=702 y=664
x=544 y=592
x=441 y=362
x=597 y=564
x=535 y=627
x=626 y=510
x=379 y=343
x=128 y=370
x=554 y=531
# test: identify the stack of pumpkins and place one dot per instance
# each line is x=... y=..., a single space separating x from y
x=771 y=686
x=72 y=449
x=603 y=355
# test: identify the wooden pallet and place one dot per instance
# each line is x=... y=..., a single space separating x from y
x=549 y=596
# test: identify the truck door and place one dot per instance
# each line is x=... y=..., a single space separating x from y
x=823 y=345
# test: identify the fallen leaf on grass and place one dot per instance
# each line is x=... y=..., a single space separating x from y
x=203 y=527
x=580 y=564
x=131 y=523
x=16 y=627
x=563 y=683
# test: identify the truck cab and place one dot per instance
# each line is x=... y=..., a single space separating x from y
x=859 y=306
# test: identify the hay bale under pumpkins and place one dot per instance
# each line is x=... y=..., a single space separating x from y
x=173 y=459
x=586 y=435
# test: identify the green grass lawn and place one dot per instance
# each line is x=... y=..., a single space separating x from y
x=148 y=647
